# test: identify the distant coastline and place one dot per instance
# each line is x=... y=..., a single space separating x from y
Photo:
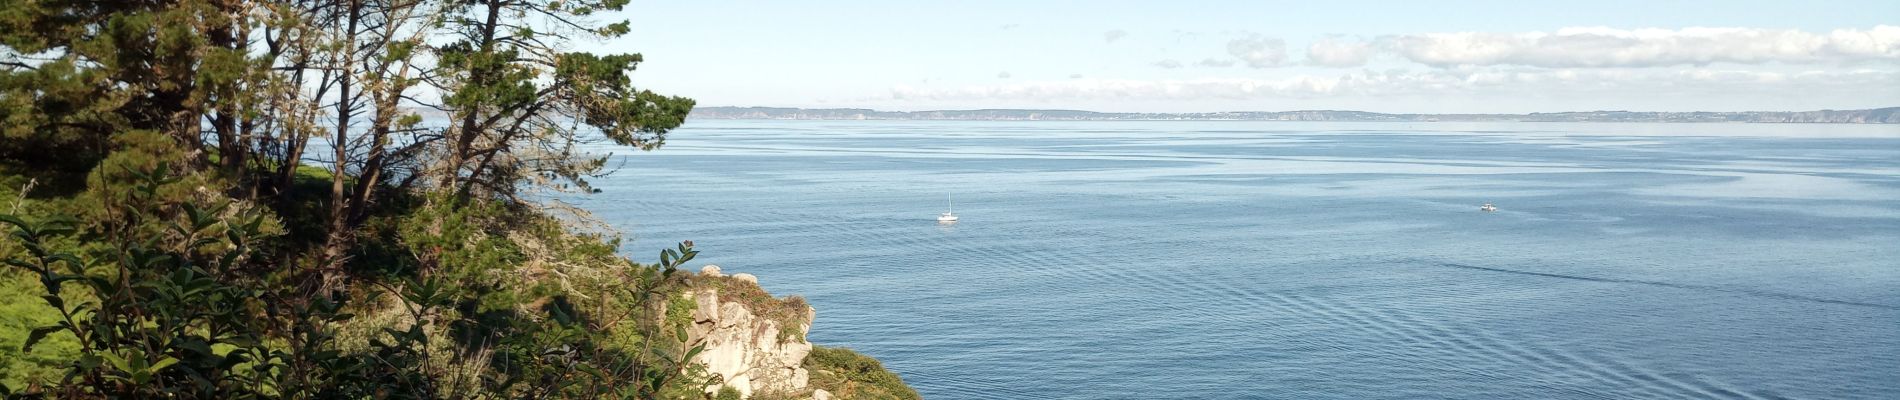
x=1889 y=115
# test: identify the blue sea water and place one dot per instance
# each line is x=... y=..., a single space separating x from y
x=1122 y=260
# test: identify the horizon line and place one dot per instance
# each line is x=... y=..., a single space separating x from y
x=1303 y=110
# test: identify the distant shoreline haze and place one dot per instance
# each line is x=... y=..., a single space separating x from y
x=1889 y=115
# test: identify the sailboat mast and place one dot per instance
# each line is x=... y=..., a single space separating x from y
x=953 y=204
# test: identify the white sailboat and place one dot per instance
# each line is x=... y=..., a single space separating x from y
x=948 y=216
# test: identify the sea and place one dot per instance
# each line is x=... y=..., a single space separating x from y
x=1305 y=260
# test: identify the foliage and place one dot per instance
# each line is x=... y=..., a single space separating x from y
x=158 y=321
x=851 y=376
x=168 y=238
x=21 y=310
x=180 y=247
x=513 y=93
x=174 y=312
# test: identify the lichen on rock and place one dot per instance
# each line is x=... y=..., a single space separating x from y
x=745 y=334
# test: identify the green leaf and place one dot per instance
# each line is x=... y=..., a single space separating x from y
x=87 y=362
x=116 y=362
x=23 y=265
x=252 y=225
x=34 y=337
x=694 y=352
x=72 y=263
x=228 y=260
x=197 y=217
x=590 y=370
x=15 y=221
x=161 y=364
x=232 y=360
x=197 y=346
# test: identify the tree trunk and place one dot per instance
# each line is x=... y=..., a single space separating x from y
x=341 y=233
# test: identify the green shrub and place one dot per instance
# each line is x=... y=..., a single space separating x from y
x=727 y=393
x=851 y=376
x=162 y=289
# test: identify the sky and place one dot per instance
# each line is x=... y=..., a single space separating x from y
x=1200 y=56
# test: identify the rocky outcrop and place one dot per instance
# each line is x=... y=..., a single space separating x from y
x=756 y=343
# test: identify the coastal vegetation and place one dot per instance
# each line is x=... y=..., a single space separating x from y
x=847 y=374
x=296 y=199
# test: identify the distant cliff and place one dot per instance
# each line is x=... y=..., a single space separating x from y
x=1890 y=115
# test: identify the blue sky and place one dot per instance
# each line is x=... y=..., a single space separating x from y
x=1214 y=56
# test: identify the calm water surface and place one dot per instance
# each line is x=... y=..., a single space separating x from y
x=1308 y=260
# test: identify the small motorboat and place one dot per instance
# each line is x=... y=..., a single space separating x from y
x=1487 y=207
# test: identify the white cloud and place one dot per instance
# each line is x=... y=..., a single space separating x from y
x=1611 y=81
x=1003 y=75
x=1258 y=51
x=1215 y=63
x=1338 y=52
x=1168 y=63
x=1114 y=35
x=1598 y=47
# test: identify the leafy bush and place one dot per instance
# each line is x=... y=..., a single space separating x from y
x=168 y=239
x=727 y=393
x=851 y=376
x=161 y=288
